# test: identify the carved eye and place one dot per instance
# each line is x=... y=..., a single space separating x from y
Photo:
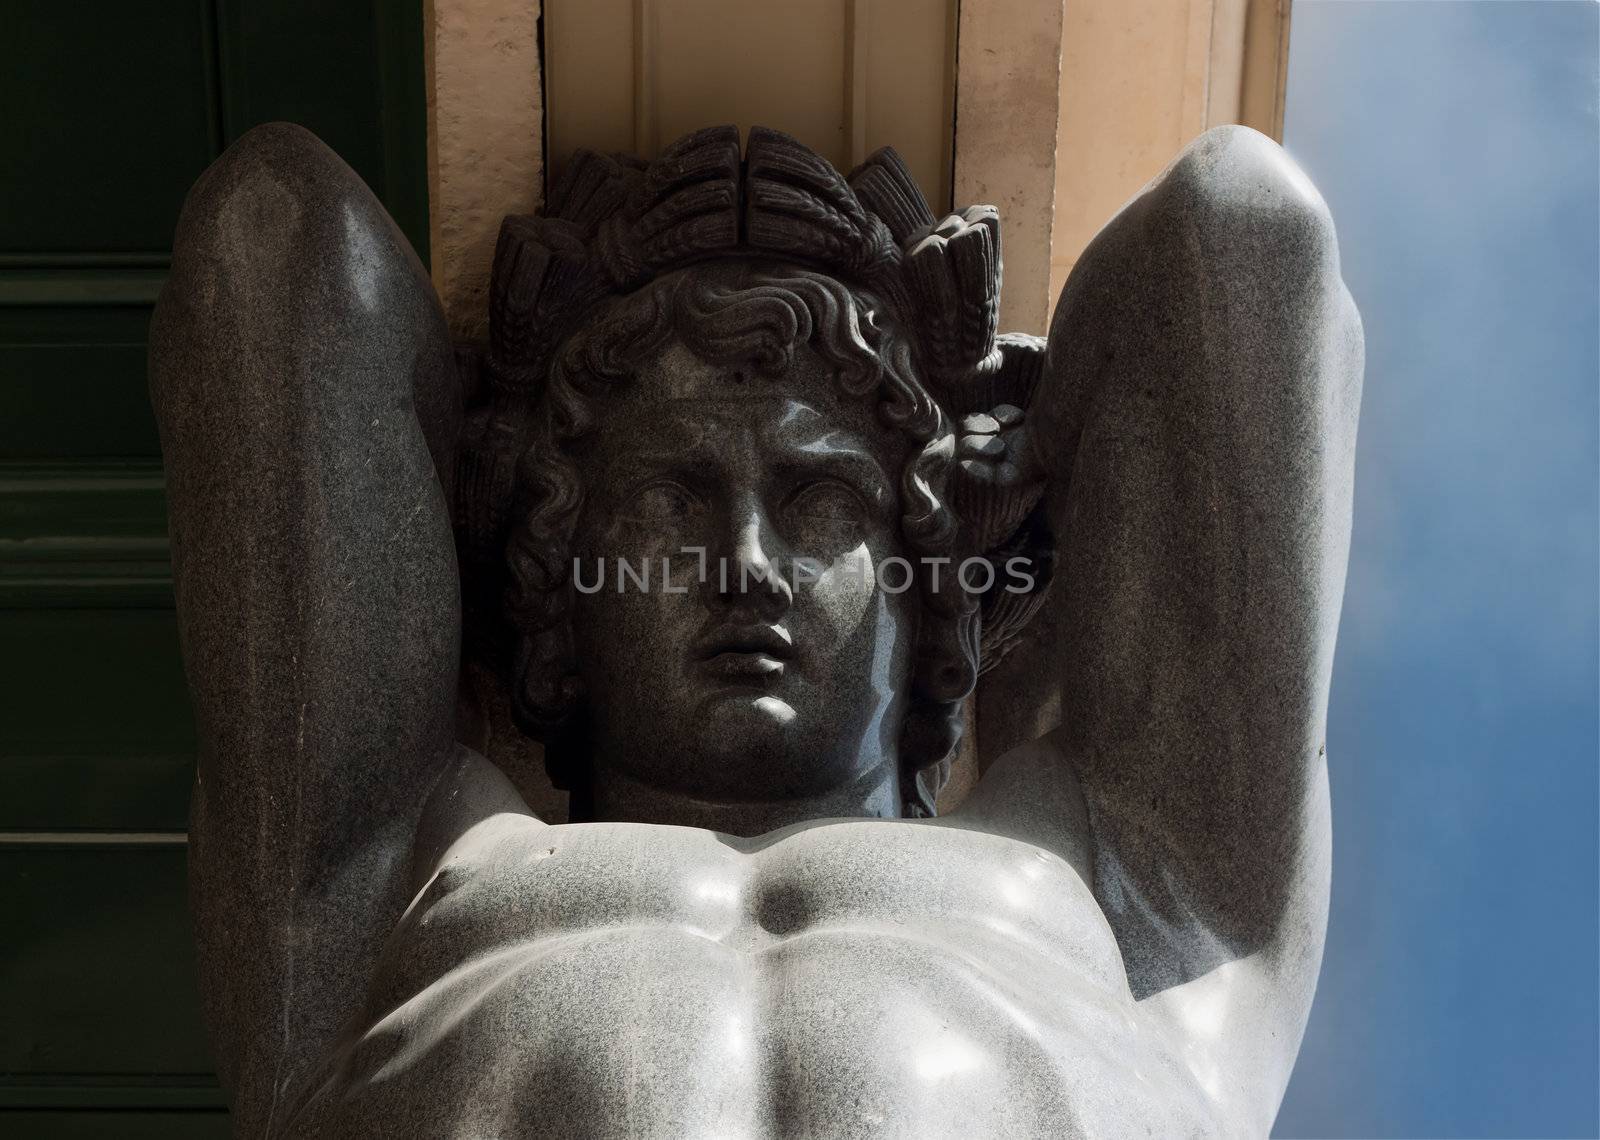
x=664 y=501
x=828 y=500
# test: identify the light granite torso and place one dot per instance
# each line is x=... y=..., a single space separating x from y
x=842 y=978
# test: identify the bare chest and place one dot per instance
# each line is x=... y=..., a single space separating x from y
x=851 y=979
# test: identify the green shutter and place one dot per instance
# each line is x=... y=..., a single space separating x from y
x=111 y=109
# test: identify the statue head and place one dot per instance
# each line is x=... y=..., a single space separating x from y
x=717 y=459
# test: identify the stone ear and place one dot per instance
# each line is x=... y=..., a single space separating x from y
x=547 y=701
x=544 y=689
x=545 y=686
x=945 y=672
x=947 y=653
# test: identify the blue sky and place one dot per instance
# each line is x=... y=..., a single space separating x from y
x=1456 y=144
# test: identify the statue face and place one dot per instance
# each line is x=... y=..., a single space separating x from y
x=775 y=664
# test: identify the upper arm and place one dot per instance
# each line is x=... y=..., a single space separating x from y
x=291 y=352
x=1203 y=383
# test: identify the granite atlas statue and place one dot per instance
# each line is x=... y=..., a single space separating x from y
x=737 y=501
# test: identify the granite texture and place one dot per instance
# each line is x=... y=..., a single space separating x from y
x=294 y=349
x=753 y=926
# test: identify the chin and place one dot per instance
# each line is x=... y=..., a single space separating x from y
x=765 y=748
x=733 y=727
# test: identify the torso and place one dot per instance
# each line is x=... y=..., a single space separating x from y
x=838 y=979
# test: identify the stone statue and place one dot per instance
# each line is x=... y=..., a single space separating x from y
x=734 y=506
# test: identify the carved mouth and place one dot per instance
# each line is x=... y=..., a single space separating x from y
x=756 y=667
x=757 y=654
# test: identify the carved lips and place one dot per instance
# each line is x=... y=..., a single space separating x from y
x=753 y=654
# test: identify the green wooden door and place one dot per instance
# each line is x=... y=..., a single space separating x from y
x=108 y=111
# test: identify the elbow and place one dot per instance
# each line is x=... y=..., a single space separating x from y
x=1242 y=196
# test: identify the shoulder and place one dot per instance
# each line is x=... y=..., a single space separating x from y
x=1031 y=794
x=470 y=793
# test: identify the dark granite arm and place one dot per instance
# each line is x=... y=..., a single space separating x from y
x=1203 y=383
x=292 y=352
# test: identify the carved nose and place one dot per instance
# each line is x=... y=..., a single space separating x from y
x=754 y=572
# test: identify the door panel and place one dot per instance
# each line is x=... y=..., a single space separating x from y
x=112 y=108
x=109 y=114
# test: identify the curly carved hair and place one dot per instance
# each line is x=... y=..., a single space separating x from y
x=730 y=313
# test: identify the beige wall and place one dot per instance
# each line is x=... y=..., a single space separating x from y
x=1064 y=109
x=485 y=105
x=1008 y=79
x=1056 y=113
x=1141 y=78
x=843 y=76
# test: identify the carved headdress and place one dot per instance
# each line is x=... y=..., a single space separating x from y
x=615 y=222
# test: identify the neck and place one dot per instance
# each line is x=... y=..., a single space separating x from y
x=620 y=797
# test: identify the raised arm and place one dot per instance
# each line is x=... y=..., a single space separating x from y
x=293 y=349
x=1198 y=421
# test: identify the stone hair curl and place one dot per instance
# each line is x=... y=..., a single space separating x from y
x=728 y=313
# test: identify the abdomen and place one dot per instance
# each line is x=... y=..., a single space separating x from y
x=828 y=1033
